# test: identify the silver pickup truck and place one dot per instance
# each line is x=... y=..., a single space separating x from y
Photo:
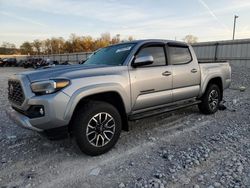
x=122 y=82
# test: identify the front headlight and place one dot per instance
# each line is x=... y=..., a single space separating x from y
x=49 y=86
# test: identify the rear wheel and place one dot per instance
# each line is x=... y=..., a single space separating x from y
x=97 y=127
x=210 y=100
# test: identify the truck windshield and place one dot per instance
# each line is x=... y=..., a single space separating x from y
x=111 y=55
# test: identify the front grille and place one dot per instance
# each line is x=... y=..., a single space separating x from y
x=15 y=92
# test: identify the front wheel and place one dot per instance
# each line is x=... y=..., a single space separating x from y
x=97 y=127
x=210 y=100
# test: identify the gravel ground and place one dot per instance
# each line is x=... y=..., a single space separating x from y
x=178 y=149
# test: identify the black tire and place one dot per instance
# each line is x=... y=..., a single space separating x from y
x=210 y=100
x=84 y=122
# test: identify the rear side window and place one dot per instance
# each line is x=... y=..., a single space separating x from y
x=157 y=52
x=179 y=55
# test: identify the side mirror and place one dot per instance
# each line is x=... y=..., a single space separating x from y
x=143 y=60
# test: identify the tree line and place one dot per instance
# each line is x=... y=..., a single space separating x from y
x=58 y=45
x=75 y=43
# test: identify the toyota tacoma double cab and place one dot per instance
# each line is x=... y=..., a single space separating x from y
x=128 y=81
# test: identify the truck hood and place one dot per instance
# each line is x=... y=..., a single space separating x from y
x=70 y=72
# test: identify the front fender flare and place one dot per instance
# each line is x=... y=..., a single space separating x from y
x=83 y=92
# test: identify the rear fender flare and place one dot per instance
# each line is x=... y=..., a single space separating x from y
x=207 y=80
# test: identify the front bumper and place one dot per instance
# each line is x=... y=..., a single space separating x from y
x=21 y=120
x=54 y=112
x=54 y=108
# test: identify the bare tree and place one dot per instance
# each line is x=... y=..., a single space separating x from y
x=47 y=46
x=190 y=39
x=37 y=44
x=116 y=39
x=106 y=37
x=8 y=45
x=57 y=45
x=67 y=47
x=88 y=43
x=61 y=42
x=26 y=48
x=130 y=38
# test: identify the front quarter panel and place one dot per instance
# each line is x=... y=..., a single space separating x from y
x=83 y=87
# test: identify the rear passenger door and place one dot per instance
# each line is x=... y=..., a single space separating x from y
x=151 y=85
x=186 y=73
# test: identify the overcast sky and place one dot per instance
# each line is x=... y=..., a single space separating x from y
x=26 y=20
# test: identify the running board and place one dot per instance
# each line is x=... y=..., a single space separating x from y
x=142 y=115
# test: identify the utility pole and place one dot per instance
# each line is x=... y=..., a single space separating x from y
x=235 y=17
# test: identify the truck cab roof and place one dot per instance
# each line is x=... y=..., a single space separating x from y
x=144 y=41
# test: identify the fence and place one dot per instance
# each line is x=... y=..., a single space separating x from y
x=18 y=57
x=237 y=52
x=70 y=57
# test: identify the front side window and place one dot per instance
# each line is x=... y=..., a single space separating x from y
x=157 y=52
x=111 y=55
x=179 y=55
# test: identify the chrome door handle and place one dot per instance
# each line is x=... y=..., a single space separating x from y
x=194 y=70
x=167 y=73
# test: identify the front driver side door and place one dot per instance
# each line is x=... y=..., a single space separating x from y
x=151 y=85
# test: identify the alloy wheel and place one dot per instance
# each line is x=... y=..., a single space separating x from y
x=100 y=129
x=213 y=99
